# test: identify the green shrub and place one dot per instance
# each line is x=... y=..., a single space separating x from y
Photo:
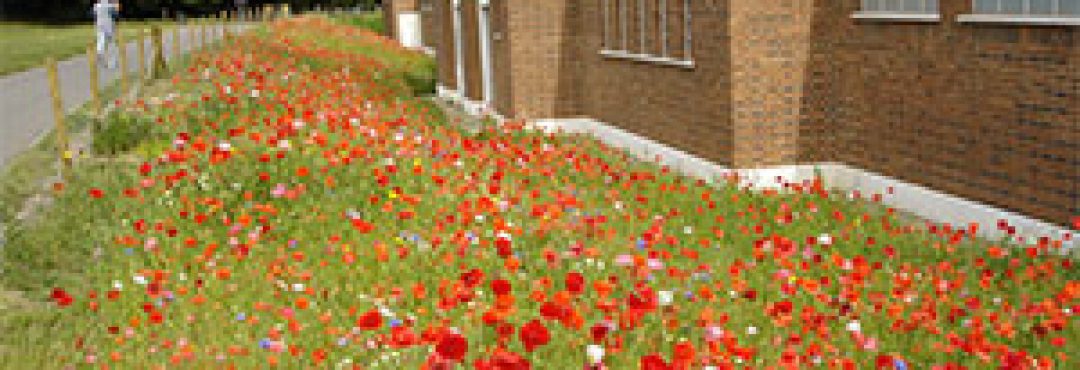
x=421 y=76
x=121 y=132
x=369 y=20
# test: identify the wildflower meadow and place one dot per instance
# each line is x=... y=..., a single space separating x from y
x=299 y=206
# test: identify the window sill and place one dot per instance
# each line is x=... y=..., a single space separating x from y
x=898 y=17
x=646 y=58
x=1020 y=19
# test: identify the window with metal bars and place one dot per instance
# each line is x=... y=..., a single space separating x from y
x=901 y=6
x=1068 y=8
x=647 y=30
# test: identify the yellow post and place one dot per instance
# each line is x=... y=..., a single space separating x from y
x=175 y=51
x=58 y=116
x=141 y=49
x=95 y=98
x=224 y=21
x=158 y=63
x=191 y=35
x=202 y=32
x=121 y=48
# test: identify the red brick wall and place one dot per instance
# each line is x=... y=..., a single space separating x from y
x=445 y=57
x=470 y=34
x=391 y=8
x=769 y=42
x=686 y=108
x=987 y=112
x=429 y=23
x=501 y=58
x=536 y=52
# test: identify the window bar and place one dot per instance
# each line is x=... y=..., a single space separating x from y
x=625 y=29
x=641 y=25
x=686 y=30
x=663 y=28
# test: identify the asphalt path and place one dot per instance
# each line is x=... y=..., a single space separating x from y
x=26 y=103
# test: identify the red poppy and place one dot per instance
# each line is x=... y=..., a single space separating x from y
x=500 y=286
x=370 y=320
x=534 y=334
x=452 y=346
x=598 y=332
x=575 y=282
x=61 y=297
x=96 y=193
x=654 y=362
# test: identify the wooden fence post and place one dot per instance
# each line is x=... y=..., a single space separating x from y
x=158 y=62
x=95 y=97
x=202 y=32
x=58 y=116
x=141 y=49
x=121 y=47
x=224 y=20
x=175 y=51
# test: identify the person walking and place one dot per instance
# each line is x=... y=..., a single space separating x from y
x=105 y=13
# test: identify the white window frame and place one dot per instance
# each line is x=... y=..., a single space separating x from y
x=1024 y=17
x=929 y=12
x=622 y=49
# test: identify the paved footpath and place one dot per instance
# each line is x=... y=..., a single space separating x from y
x=26 y=104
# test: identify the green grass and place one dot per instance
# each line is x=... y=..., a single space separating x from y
x=370 y=20
x=26 y=45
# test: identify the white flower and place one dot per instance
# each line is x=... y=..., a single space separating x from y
x=117 y=285
x=255 y=93
x=283 y=144
x=298 y=287
x=825 y=239
x=139 y=279
x=752 y=330
x=665 y=297
x=854 y=327
x=595 y=353
x=688 y=229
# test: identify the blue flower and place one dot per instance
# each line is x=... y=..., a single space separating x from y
x=899 y=364
x=241 y=317
x=395 y=323
x=640 y=243
x=264 y=343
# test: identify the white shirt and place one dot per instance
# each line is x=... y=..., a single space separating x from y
x=103 y=16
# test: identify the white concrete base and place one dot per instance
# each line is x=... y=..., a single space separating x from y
x=921 y=201
x=472 y=107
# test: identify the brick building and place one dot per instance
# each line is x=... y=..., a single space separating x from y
x=975 y=98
